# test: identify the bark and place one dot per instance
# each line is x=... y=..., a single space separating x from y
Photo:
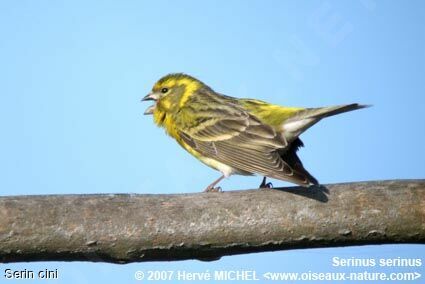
x=124 y=228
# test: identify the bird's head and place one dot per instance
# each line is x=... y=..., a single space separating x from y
x=171 y=92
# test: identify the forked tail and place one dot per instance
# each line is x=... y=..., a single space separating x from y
x=297 y=124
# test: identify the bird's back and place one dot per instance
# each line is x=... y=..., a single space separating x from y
x=273 y=115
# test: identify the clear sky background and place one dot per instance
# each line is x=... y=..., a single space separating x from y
x=72 y=74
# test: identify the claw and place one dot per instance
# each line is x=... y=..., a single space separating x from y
x=213 y=189
x=265 y=185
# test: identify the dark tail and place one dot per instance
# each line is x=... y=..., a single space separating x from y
x=297 y=124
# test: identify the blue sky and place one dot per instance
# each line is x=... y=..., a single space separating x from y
x=72 y=74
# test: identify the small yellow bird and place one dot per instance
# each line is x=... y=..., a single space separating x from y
x=235 y=136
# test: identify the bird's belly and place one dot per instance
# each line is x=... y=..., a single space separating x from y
x=224 y=169
x=219 y=166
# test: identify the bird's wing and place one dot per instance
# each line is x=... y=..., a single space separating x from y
x=224 y=131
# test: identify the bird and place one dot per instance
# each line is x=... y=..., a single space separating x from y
x=236 y=135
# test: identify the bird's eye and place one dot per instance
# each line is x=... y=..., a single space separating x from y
x=164 y=90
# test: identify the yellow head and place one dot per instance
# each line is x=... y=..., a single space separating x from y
x=171 y=92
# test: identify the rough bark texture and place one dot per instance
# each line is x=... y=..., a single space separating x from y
x=125 y=228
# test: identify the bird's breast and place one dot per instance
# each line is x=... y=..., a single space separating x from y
x=165 y=120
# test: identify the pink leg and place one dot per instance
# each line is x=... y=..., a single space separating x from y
x=211 y=187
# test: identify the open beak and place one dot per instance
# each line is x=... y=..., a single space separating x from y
x=149 y=110
x=150 y=97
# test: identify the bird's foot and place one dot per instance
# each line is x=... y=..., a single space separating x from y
x=213 y=189
x=265 y=185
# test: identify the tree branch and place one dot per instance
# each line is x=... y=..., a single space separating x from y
x=123 y=228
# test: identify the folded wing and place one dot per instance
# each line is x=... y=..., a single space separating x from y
x=236 y=138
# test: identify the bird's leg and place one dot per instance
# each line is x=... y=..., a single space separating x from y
x=211 y=187
x=265 y=185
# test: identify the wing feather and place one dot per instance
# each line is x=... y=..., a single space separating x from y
x=233 y=136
